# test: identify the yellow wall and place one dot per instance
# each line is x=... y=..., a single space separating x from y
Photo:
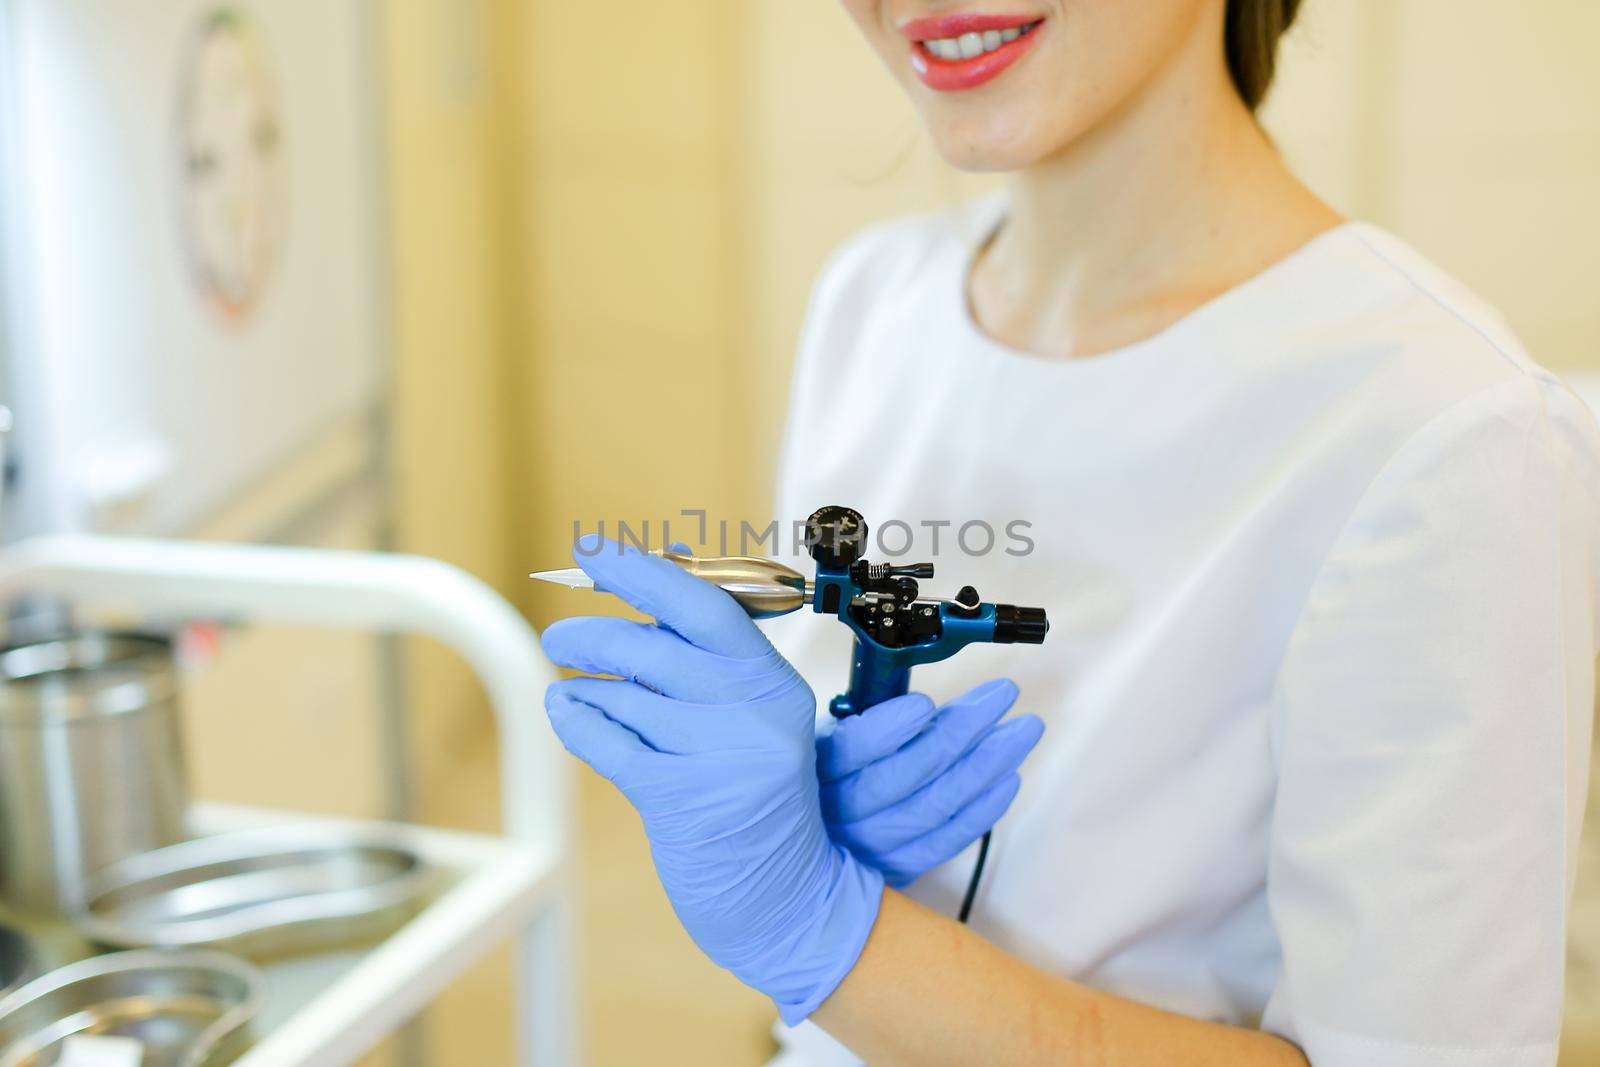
x=449 y=450
x=1472 y=130
x=624 y=310
x=452 y=497
x=565 y=264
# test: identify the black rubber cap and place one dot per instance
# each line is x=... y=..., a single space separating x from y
x=1014 y=625
x=837 y=536
x=967 y=602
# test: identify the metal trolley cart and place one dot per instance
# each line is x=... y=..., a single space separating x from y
x=326 y=1011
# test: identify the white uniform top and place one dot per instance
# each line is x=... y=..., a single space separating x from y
x=1321 y=566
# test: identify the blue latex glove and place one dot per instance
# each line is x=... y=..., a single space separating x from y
x=907 y=786
x=709 y=733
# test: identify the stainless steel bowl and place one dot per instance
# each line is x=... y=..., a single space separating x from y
x=187 y=1009
x=17 y=961
x=262 y=894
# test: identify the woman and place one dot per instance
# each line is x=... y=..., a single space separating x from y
x=1318 y=542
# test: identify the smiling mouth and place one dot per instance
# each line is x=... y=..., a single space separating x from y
x=971 y=45
x=951 y=53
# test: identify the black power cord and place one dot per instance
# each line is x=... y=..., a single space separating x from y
x=977 y=876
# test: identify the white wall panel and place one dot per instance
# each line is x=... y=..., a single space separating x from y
x=140 y=390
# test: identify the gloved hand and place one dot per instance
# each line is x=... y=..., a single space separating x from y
x=709 y=733
x=907 y=786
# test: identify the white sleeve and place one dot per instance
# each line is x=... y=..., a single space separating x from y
x=1431 y=728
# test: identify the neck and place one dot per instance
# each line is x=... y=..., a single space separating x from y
x=1171 y=200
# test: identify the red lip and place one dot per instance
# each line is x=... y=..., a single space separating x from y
x=955 y=75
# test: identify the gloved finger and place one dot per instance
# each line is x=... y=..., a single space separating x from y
x=858 y=740
x=680 y=548
x=695 y=609
x=586 y=732
x=996 y=756
x=663 y=724
x=952 y=734
x=646 y=653
x=883 y=729
x=907 y=863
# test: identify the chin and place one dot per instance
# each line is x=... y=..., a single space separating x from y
x=992 y=141
x=977 y=157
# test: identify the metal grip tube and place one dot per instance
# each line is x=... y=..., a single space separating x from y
x=763 y=587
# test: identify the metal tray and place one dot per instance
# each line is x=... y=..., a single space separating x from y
x=17 y=961
x=187 y=1009
x=263 y=894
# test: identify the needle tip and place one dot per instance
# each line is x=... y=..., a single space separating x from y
x=571 y=577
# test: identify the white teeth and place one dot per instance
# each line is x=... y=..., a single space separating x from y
x=969 y=45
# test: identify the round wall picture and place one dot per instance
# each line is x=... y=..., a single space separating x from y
x=232 y=172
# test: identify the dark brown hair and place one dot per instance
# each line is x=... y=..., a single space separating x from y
x=1251 y=39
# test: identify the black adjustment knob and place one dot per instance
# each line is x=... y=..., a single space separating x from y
x=1014 y=625
x=912 y=570
x=837 y=536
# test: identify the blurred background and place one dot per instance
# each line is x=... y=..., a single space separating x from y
x=491 y=266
